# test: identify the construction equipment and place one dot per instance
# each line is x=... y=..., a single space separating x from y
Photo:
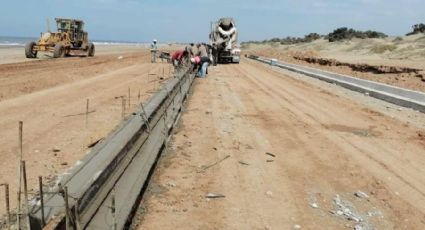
x=69 y=37
x=223 y=39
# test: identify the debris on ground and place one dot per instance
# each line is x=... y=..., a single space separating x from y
x=361 y=195
x=297 y=226
x=347 y=210
x=171 y=184
x=80 y=114
x=243 y=163
x=314 y=205
x=268 y=161
x=269 y=193
x=203 y=168
x=91 y=145
x=271 y=154
x=211 y=195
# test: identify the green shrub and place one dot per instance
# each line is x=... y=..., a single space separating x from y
x=344 y=33
x=417 y=29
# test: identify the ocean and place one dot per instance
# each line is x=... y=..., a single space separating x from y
x=7 y=41
x=15 y=41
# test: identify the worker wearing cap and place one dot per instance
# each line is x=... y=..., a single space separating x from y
x=154 y=49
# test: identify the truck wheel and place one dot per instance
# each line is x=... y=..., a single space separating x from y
x=59 y=51
x=29 y=50
x=91 y=50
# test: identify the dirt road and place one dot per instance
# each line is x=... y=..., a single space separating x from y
x=286 y=154
x=50 y=97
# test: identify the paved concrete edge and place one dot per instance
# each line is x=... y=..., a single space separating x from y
x=396 y=95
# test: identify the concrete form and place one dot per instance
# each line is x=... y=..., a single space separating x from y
x=117 y=167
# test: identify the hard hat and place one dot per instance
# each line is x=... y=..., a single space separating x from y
x=154 y=40
x=192 y=60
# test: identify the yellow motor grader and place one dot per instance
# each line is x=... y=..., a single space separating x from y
x=69 y=37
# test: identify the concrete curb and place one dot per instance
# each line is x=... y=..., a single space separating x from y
x=116 y=168
x=396 y=95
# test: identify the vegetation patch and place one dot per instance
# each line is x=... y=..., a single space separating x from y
x=344 y=33
x=417 y=29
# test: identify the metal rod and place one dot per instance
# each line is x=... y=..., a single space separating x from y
x=123 y=107
x=77 y=216
x=40 y=186
x=145 y=117
x=21 y=128
x=87 y=113
x=138 y=97
x=24 y=174
x=7 y=201
x=67 y=218
x=129 y=98
x=114 y=220
x=18 y=217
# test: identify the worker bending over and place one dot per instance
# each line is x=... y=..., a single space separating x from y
x=179 y=58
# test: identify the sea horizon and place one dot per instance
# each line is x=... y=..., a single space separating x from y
x=11 y=41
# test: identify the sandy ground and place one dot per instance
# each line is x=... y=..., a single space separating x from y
x=280 y=148
x=50 y=96
x=407 y=52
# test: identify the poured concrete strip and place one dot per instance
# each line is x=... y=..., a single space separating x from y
x=127 y=191
x=112 y=161
x=396 y=95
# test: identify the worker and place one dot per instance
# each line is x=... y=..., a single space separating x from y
x=196 y=61
x=177 y=58
x=190 y=50
x=202 y=50
x=204 y=62
x=154 y=49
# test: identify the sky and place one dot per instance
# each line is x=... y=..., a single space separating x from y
x=189 y=20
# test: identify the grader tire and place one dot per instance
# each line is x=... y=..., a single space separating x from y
x=59 y=51
x=91 y=50
x=29 y=50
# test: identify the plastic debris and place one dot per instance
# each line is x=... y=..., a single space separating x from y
x=269 y=193
x=314 y=205
x=297 y=226
x=211 y=195
x=346 y=211
x=361 y=195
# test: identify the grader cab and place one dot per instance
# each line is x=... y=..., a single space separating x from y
x=70 y=36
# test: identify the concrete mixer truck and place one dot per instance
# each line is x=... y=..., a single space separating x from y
x=223 y=39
